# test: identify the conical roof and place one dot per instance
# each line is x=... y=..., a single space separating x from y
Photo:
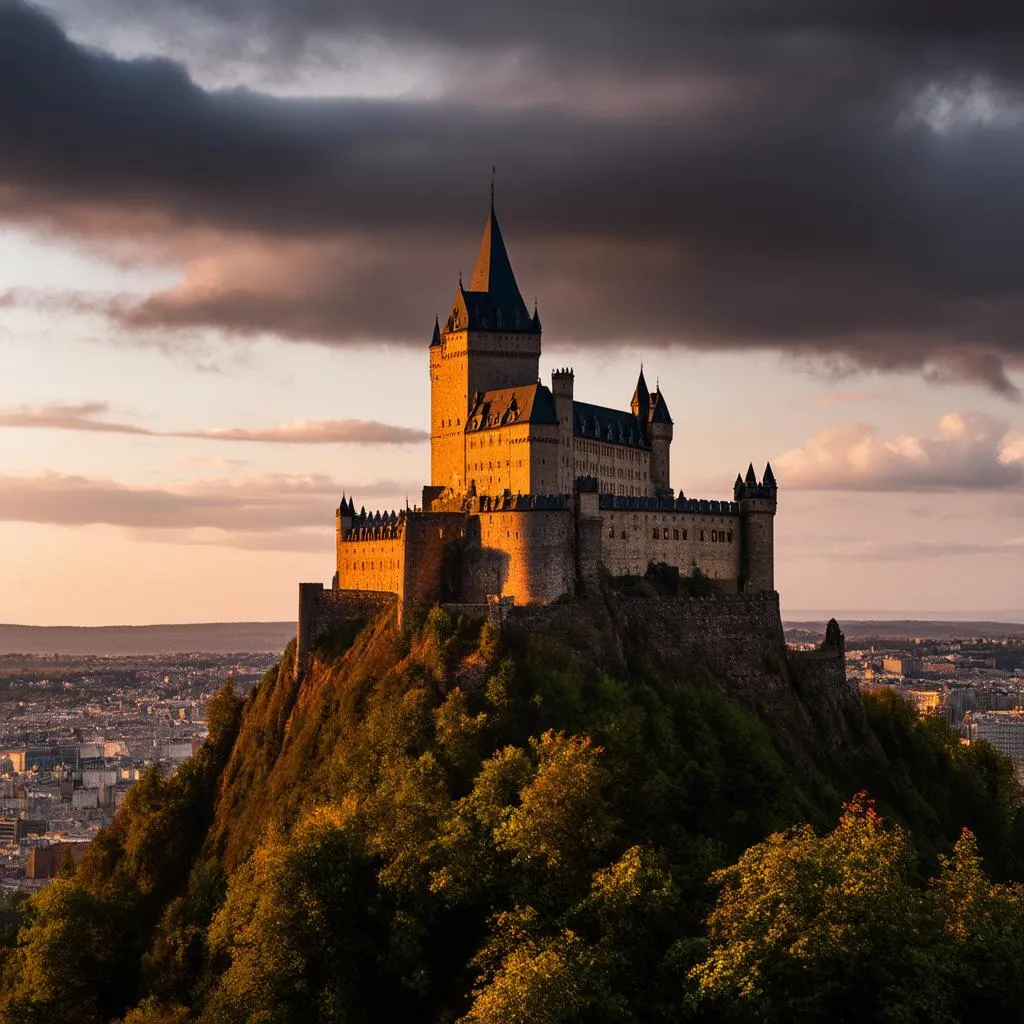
x=659 y=408
x=492 y=301
x=641 y=401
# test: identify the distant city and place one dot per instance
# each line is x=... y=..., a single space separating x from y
x=970 y=673
x=77 y=731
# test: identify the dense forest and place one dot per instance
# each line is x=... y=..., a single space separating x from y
x=460 y=822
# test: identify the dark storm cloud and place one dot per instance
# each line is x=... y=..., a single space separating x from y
x=843 y=185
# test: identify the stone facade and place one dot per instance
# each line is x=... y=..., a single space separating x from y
x=535 y=495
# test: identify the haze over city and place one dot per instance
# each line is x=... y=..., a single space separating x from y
x=225 y=231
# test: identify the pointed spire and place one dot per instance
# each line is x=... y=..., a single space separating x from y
x=641 y=402
x=536 y=315
x=769 y=476
x=436 y=339
x=751 y=475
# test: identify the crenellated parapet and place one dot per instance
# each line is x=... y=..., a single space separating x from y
x=363 y=525
x=518 y=503
x=667 y=503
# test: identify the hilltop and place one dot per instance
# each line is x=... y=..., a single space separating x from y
x=483 y=822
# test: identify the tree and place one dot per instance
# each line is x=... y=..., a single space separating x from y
x=825 y=928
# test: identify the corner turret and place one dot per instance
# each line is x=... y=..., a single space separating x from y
x=758 y=502
x=659 y=433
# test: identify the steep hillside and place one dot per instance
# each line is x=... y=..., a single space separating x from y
x=459 y=821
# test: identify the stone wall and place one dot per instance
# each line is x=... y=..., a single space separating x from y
x=432 y=572
x=321 y=611
x=527 y=555
x=376 y=563
x=632 y=539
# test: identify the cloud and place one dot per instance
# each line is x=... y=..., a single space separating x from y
x=835 y=180
x=844 y=397
x=912 y=551
x=969 y=452
x=68 y=417
x=246 y=507
x=85 y=416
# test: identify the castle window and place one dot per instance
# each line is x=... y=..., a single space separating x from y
x=730 y=536
x=611 y=531
x=701 y=534
x=665 y=533
x=684 y=534
x=675 y=535
x=655 y=535
x=714 y=535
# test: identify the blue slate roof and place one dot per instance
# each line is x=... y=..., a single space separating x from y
x=613 y=426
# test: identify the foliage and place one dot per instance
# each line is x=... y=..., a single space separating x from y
x=461 y=822
x=835 y=928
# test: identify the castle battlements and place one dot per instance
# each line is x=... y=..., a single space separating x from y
x=535 y=494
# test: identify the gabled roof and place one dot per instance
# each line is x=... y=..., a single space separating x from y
x=613 y=426
x=529 y=403
x=493 y=301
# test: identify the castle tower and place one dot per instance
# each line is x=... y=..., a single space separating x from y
x=561 y=390
x=758 y=502
x=659 y=433
x=489 y=341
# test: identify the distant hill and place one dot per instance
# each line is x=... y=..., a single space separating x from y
x=898 y=629
x=187 y=638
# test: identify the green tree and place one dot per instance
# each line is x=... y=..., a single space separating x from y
x=825 y=928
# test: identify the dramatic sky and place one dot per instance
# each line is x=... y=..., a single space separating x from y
x=226 y=227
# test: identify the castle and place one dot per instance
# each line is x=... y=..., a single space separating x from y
x=534 y=494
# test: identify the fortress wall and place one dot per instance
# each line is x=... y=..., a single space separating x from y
x=709 y=541
x=431 y=570
x=322 y=610
x=620 y=469
x=527 y=555
x=372 y=564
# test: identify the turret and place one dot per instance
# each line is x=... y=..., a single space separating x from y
x=659 y=433
x=344 y=516
x=562 y=382
x=758 y=502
